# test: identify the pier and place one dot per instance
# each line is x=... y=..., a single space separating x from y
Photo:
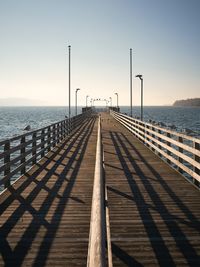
x=145 y=212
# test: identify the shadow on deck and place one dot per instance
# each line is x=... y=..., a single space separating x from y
x=34 y=210
x=154 y=211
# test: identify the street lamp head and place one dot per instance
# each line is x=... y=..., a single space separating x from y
x=78 y=89
x=116 y=93
x=139 y=76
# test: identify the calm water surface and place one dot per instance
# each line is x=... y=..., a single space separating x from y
x=13 y=120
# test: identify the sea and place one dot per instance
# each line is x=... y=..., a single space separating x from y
x=13 y=120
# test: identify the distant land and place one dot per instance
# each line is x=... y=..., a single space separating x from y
x=192 y=102
x=12 y=101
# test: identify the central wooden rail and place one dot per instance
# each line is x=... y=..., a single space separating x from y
x=96 y=248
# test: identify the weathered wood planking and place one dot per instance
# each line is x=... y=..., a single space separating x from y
x=45 y=215
x=154 y=211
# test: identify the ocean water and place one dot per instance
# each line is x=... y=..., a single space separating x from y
x=13 y=120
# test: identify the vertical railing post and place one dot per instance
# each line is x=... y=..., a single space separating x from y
x=144 y=135
x=22 y=152
x=66 y=127
x=180 y=139
x=34 y=143
x=70 y=122
x=54 y=135
x=131 y=124
x=168 y=144
x=42 y=143
x=7 y=161
x=197 y=159
x=49 y=138
x=58 y=133
x=153 y=135
x=62 y=130
x=160 y=140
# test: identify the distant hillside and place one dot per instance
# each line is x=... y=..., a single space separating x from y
x=193 y=102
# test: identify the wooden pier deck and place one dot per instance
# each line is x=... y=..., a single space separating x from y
x=154 y=212
x=45 y=216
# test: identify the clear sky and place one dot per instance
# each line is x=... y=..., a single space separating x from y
x=164 y=36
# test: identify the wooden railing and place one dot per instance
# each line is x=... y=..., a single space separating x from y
x=181 y=151
x=19 y=153
x=97 y=238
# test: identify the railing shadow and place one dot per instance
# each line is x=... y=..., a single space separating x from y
x=76 y=148
x=122 y=144
x=124 y=257
x=144 y=212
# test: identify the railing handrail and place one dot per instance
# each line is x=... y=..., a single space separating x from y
x=167 y=144
x=23 y=151
x=96 y=247
x=147 y=128
x=17 y=137
x=178 y=134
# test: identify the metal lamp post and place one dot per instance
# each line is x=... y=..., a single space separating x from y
x=117 y=99
x=141 y=79
x=131 y=82
x=76 y=99
x=69 y=51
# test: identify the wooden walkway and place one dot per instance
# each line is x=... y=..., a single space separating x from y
x=154 y=211
x=45 y=216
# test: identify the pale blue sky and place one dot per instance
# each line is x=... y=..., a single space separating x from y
x=164 y=36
